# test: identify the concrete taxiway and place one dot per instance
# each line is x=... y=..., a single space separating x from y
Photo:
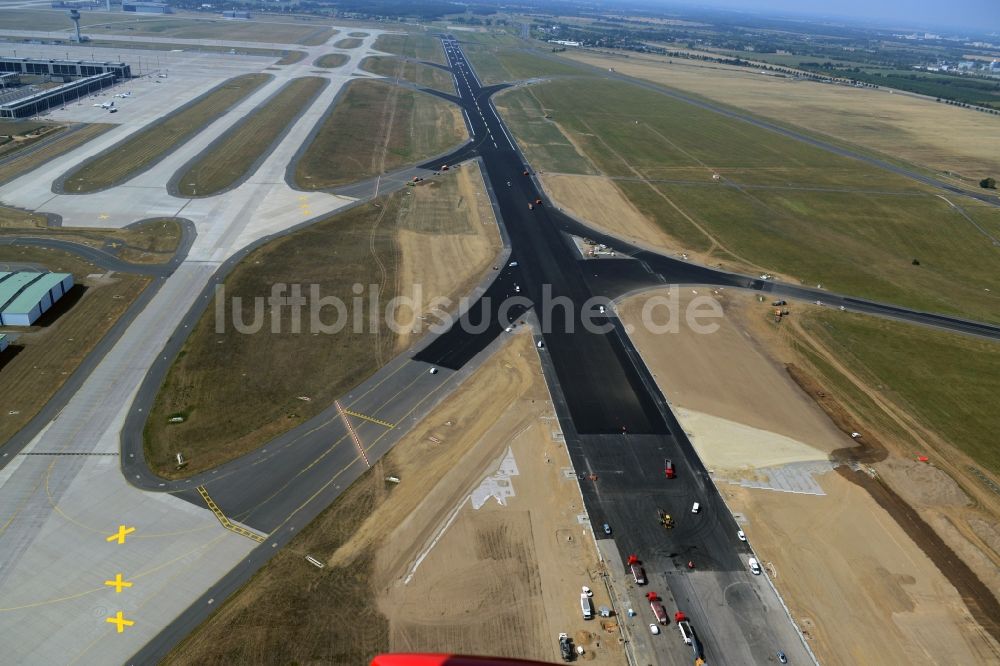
x=63 y=494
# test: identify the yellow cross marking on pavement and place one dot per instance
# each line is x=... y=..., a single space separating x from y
x=104 y=216
x=119 y=536
x=118 y=583
x=120 y=622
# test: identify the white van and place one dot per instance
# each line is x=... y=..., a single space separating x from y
x=754 y=566
x=695 y=508
x=586 y=607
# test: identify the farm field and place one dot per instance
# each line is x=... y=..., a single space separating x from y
x=331 y=60
x=245 y=144
x=898 y=126
x=440 y=235
x=778 y=206
x=142 y=149
x=376 y=127
x=43 y=356
x=422 y=75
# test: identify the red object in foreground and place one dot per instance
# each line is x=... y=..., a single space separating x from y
x=449 y=660
x=679 y=616
x=923 y=458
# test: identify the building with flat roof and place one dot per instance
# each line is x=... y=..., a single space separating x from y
x=26 y=295
x=68 y=69
x=36 y=103
x=147 y=7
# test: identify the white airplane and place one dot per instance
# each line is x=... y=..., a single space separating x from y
x=124 y=94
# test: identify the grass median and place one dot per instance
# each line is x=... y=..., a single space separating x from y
x=232 y=392
x=142 y=150
x=758 y=201
x=331 y=60
x=348 y=43
x=422 y=75
x=244 y=145
x=376 y=127
x=417 y=46
x=948 y=381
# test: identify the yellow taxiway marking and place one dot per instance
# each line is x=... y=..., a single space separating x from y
x=384 y=424
x=120 y=622
x=354 y=435
x=118 y=583
x=119 y=536
x=228 y=524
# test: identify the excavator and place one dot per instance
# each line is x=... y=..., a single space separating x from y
x=665 y=519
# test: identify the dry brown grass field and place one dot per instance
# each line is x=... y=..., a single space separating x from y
x=921 y=131
x=440 y=235
x=376 y=127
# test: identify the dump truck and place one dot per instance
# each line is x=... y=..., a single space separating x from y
x=658 y=610
x=638 y=573
x=687 y=633
x=665 y=519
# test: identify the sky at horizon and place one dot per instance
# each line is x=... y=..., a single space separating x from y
x=982 y=16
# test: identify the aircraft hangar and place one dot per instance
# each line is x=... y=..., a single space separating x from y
x=26 y=295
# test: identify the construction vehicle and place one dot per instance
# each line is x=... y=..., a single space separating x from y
x=668 y=468
x=658 y=610
x=638 y=574
x=565 y=647
x=687 y=633
x=665 y=519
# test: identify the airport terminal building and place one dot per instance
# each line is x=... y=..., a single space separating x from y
x=82 y=78
x=26 y=295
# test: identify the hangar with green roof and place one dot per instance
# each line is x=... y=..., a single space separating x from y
x=26 y=295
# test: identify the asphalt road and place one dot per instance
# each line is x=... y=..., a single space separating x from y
x=618 y=426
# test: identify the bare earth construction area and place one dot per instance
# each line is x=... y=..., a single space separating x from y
x=476 y=550
x=843 y=563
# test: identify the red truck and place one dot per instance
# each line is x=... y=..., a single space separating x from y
x=668 y=468
x=658 y=610
x=638 y=573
